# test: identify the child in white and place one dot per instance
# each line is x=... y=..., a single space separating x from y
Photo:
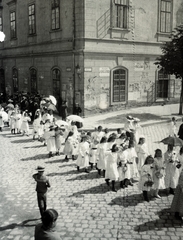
x=18 y=118
x=145 y=181
x=158 y=172
x=171 y=170
x=25 y=123
x=37 y=126
x=83 y=154
x=112 y=167
x=93 y=153
x=101 y=156
x=59 y=139
x=51 y=141
x=12 y=122
x=142 y=152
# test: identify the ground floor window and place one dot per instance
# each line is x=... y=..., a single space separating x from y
x=119 y=85
x=15 y=80
x=162 y=85
x=2 y=86
x=33 y=80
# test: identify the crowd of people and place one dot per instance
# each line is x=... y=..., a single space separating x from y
x=119 y=156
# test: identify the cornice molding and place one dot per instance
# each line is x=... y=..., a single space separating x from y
x=12 y=2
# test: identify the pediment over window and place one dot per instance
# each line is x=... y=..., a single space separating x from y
x=11 y=3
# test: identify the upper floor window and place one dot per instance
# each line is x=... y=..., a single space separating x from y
x=13 y=24
x=56 y=81
x=1 y=24
x=32 y=20
x=165 y=16
x=121 y=13
x=55 y=14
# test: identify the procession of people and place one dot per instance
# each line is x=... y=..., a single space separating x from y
x=121 y=157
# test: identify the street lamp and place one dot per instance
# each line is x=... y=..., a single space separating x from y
x=2 y=36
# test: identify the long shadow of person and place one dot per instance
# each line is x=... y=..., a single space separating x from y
x=166 y=220
x=22 y=224
x=36 y=157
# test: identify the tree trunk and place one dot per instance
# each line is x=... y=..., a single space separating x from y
x=181 y=98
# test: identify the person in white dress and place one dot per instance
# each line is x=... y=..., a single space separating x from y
x=37 y=126
x=158 y=172
x=93 y=154
x=171 y=170
x=83 y=155
x=101 y=156
x=59 y=139
x=142 y=152
x=146 y=176
x=112 y=167
x=98 y=134
x=12 y=122
x=173 y=127
x=18 y=121
x=25 y=123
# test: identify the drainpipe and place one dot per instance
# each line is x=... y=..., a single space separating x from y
x=73 y=52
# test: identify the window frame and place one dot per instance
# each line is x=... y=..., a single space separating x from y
x=13 y=36
x=1 y=23
x=32 y=18
x=161 y=76
x=163 y=29
x=113 y=102
x=55 y=16
x=120 y=6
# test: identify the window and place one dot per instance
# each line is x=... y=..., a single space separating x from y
x=162 y=84
x=1 y=24
x=15 y=80
x=121 y=13
x=55 y=14
x=165 y=16
x=56 y=82
x=33 y=80
x=13 y=24
x=119 y=85
x=32 y=20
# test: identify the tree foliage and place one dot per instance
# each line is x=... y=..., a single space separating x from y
x=171 y=59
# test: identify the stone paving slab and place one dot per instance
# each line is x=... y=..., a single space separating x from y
x=88 y=209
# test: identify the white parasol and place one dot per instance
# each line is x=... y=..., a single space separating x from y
x=60 y=123
x=53 y=99
x=75 y=118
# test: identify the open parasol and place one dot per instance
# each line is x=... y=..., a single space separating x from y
x=52 y=107
x=174 y=141
x=53 y=99
x=60 y=123
x=10 y=105
x=75 y=118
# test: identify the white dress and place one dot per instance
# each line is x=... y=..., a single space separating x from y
x=159 y=173
x=18 y=122
x=142 y=153
x=25 y=124
x=171 y=171
x=145 y=175
x=123 y=167
x=132 y=155
x=111 y=166
x=93 y=153
x=83 y=155
x=51 y=141
x=101 y=156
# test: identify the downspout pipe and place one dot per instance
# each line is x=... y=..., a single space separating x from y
x=73 y=52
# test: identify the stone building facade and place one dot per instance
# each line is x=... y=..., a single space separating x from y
x=99 y=53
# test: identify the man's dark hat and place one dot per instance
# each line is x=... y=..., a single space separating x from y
x=40 y=169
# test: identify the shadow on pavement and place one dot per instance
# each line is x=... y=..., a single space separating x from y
x=86 y=176
x=36 y=157
x=37 y=146
x=22 y=140
x=22 y=224
x=61 y=174
x=100 y=189
x=166 y=220
x=128 y=200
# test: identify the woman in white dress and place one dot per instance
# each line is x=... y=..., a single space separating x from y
x=18 y=121
x=112 y=167
x=142 y=152
x=25 y=123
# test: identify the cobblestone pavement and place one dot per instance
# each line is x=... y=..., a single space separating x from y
x=88 y=209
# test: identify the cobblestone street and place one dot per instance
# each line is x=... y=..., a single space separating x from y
x=88 y=209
